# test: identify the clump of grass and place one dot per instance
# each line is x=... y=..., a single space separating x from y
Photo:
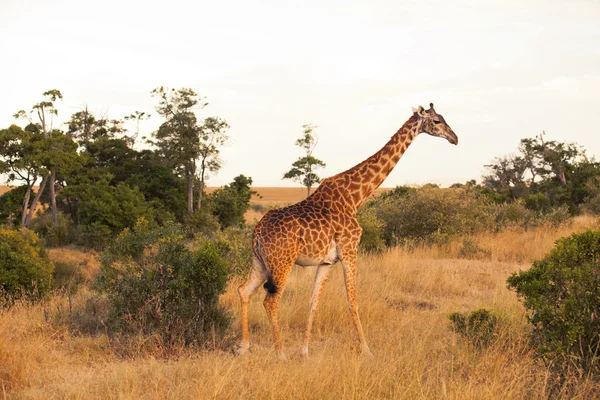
x=479 y=327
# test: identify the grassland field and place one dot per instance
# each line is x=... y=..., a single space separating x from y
x=405 y=297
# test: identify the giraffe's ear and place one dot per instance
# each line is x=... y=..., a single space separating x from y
x=414 y=110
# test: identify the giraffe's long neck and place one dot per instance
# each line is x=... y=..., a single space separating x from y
x=360 y=181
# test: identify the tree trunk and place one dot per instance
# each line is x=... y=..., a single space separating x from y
x=26 y=203
x=53 y=197
x=190 y=193
x=560 y=174
x=35 y=201
x=308 y=191
x=201 y=189
x=200 y=193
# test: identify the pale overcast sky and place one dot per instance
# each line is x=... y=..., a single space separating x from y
x=497 y=70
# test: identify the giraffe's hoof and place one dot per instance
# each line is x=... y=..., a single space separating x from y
x=367 y=353
x=240 y=350
x=304 y=354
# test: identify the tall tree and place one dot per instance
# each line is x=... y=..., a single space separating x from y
x=137 y=117
x=232 y=201
x=45 y=112
x=303 y=169
x=177 y=137
x=212 y=137
x=192 y=146
x=21 y=153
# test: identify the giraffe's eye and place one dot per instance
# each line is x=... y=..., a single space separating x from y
x=437 y=122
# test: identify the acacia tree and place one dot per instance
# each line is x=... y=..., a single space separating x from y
x=137 y=116
x=212 y=136
x=45 y=112
x=21 y=159
x=303 y=169
x=552 y=170
x=177 y=137
x=191 y=146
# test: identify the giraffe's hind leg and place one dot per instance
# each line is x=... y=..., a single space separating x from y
x=258 y=275
x=275 y=286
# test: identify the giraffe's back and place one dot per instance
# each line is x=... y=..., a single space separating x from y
x=303 y=233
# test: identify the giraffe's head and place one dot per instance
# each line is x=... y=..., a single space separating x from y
x=434 y=124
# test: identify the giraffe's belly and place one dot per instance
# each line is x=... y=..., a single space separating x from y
x=310 y=260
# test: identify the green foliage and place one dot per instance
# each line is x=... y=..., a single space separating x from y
x=11 y=206
x=106 y=210
x=236 y=242
x=54 y=235
x=479 y=327
x=24 y=267
x=67 y=276
x=230 y=203
x=562 y=293
x=202 y=222
x=592 y=201
x=157 y=286
x=470 y=249
x=371 y=240
x=545 y=174
x=431 y=215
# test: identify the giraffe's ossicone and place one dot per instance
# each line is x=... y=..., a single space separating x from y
x=322 y=230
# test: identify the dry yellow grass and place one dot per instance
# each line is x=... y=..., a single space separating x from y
x=4 y=189
x=405 y=298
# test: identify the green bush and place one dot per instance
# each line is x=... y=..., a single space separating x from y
x=230 y=203
x=157 y=286
x=431 y=215
x=371 y=240
x=57 y=235
x=24 y=267
x=562 y=293
x=95 y=235
x=67 y=276
x=513 y=214
x=202 y=222
x=237 y=245
x=11 y=205
x=479 y=327
x=470 y=249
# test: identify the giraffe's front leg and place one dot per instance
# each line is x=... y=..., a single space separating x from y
x=320 y=280
x=349 y=265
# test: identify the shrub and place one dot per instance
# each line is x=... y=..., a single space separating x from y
x=430 y=214
x=470 y=249
x=554 y=217
x=202 y=221
x=538 y=202
x=237 y=245
x=230 y=203
x=57 y=235
x=11 y=205
x=157 y=286
x=24 y=267
x=562 y=293
x=95 y=235
x=513 y=214
x=479 y=327
x=371 y=240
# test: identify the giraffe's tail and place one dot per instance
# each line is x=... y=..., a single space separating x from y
x=270 y=285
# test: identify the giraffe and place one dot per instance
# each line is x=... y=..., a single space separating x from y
x=322 y=230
